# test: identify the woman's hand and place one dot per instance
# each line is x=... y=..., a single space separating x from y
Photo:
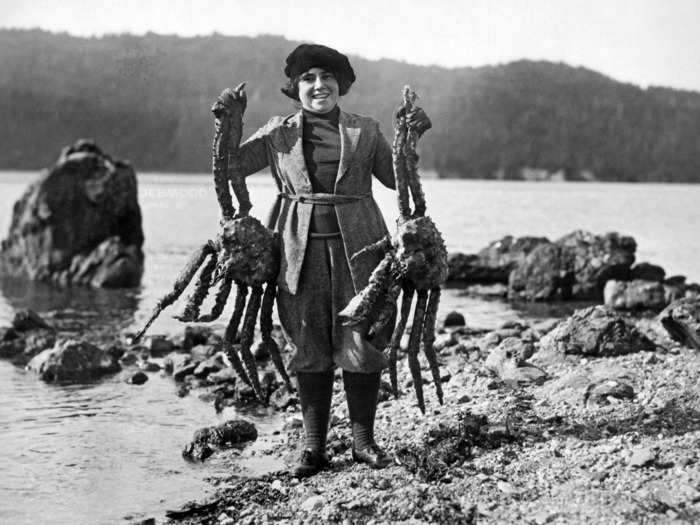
x=416 y=119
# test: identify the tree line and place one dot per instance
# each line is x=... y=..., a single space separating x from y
x=147 y=99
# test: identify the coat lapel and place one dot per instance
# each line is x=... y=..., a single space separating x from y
x=297 y=165
x=349 y=128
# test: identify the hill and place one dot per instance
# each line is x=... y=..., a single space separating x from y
x=147 y=98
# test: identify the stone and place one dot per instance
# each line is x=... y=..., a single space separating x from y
x=634 y=295
x=73 y=360
x=175 y=360
x=509 y=361
x=184 y=370
x=36 y=342
x=209 y=366
x=681 y=319
x=642 y=457
x=454 y=319
x=202 y=351
x=231 y=433
x=196 y=335
x=129 y=358
x=645 y=271
x=225 y=375
x=596 y=259
x=595 y=331
x=80 y=223
x=282 y=398
x=313 y=503
x=158 y=345
x=149 y=366
x=27 y=320
x=599 y=393
x=544 y=275
x=137 y=378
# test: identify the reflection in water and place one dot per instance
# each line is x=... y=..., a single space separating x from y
x=97 y=314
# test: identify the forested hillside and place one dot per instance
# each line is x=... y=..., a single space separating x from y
x=147 y=99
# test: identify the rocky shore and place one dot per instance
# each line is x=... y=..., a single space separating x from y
x=590 y=418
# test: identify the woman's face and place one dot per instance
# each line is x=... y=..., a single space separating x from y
x=318 y=90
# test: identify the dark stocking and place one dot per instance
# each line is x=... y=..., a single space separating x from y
x=315 y=393
x=361 y=391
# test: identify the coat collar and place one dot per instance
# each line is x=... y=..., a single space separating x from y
x=349 y=128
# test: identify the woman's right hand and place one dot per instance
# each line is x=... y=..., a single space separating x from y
x=231 y=101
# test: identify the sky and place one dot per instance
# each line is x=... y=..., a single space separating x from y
x=645 y=42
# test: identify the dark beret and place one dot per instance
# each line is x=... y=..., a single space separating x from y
x=306 y=56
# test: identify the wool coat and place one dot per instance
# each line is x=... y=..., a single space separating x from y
x=364 y=151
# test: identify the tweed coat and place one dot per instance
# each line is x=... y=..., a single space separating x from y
x=364 y=151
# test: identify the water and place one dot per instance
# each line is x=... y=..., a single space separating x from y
x=105 y=451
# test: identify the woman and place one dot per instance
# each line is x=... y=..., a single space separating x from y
x=322 y=159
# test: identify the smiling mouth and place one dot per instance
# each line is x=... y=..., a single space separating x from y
x=321 y=95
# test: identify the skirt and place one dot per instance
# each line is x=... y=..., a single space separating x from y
x=310 y=320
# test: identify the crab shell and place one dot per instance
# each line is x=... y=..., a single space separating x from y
x=421 y=253
x=250 y=252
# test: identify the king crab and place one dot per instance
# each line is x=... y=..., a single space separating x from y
x=415 y=263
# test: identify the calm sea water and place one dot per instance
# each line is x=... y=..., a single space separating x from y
x=106 y=451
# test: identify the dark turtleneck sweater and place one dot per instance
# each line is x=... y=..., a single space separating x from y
x=321 y=143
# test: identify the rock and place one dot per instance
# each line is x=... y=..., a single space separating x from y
x=175 y=360
x=80 y=223
x=647 y=272
x=203 y=351
x=634 y=295
x=454 y=319
x=507 y=488
x=225 y=375
x=196 y=335
x=137 y=378
x=129 y=358
x=209 y=366
x=149 y=366
x=313 y=503
x=509 y=361
x=595 y=331
x=681 y=319
x=489 y=340
x=642 y=457
x=184 y=370
x=27 y=320
x=544 y=275
x=36 y=342
x=598 y=393
x=159 y=345
x=282 y=398
x=206 y=440
x=596 y=259
x=73 y=360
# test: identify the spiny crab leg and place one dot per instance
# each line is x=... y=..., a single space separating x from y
x=268 y=302
x=387 y=303
x=398 y=154
x=247 y=333
x=230 y=346
x=220 y=302
x=194 y=301
x=222 y=132
x=429 y=339
x=410 y=157
x=183 y=279
x=414 y=346
x=406 y=300
x=360 y=306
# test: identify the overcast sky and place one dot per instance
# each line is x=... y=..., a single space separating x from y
x=645 y=42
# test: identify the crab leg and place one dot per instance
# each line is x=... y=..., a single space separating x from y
x=406 y=301
x=183 y=279
x=220 y=160
x=247 y=333
x=268 y=302
x=429 y=339
x=230 y=339
x=220 y=301
x=410 y=157
x=397 y=151
x=388 y=306
x=414 y=345
x=240 y=189
x=194 y=301
x=360 y=306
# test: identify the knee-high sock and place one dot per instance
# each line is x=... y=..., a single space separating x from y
x=361 y=391
x=315 y=393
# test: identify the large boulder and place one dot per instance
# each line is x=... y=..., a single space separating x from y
x=577 y=266
x=73 y=360
x=80 y=223
x=635 y=295
x=681 y=319
x=595 y=331
x=493 y=263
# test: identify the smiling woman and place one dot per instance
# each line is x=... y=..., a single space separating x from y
x=323 y=160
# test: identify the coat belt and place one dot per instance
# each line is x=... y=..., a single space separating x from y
x=328 y=199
